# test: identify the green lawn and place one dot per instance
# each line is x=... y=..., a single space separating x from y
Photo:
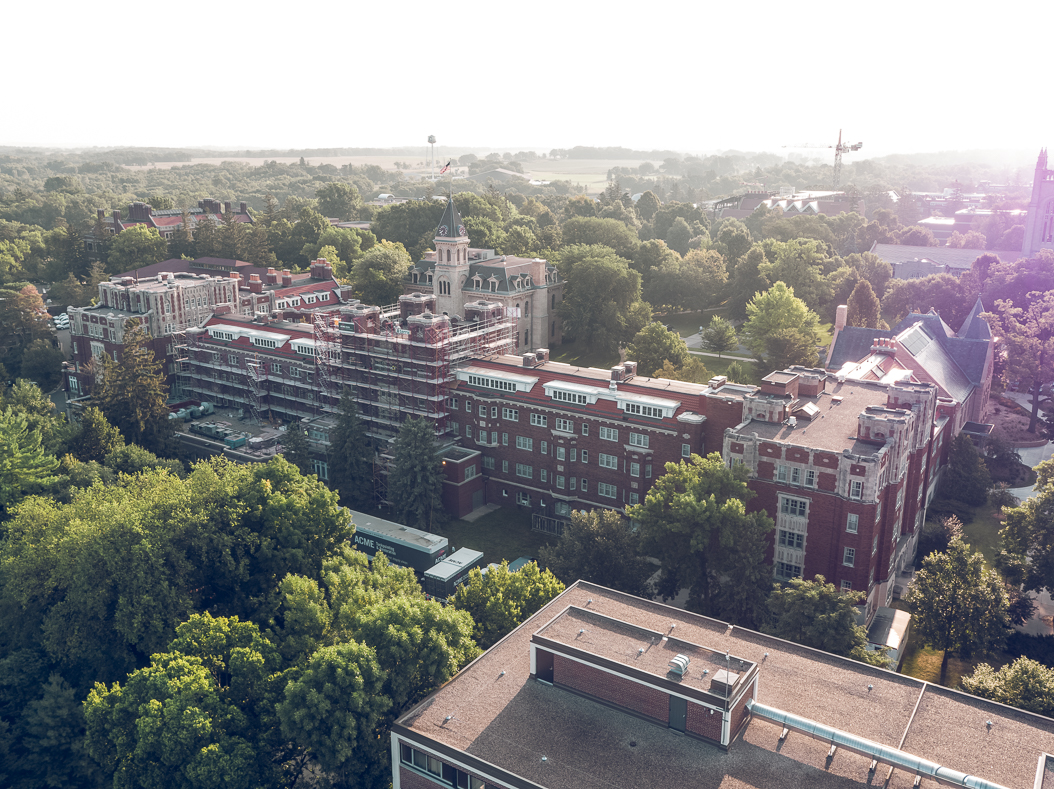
x=502 y=534
x=980 y=525
x=572 y=353
x=686 y=323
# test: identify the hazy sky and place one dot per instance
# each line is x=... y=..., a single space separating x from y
x=693 y=76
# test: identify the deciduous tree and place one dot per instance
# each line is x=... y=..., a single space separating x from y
x=655 y=344
x=719 y=336
x=599 y=547
x=780 y=330
x=1028 y=333
x=957 y=604
x=1025 y=684
x=136 y=247
x=599 y=297
x=817 y=615
x=500 y=600
x=379 y=275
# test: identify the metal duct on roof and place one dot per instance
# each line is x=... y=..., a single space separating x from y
x=885 y=754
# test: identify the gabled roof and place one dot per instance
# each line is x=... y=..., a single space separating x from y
x=451 y=226
x=853 y=344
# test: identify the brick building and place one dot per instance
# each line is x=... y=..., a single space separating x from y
x=169 y=303
x=455 y=273
x=165 y=221
x=602 y=689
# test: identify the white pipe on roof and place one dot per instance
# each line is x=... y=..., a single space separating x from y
x=870 y=749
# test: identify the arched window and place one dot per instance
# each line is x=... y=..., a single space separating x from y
x=526 y=308
x=448 y=256
x=554 y=301
x=527 y=338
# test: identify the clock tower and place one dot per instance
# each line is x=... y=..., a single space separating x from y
x=451 y=271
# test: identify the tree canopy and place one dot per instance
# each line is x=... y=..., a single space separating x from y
x=601 y=297
x=780 y=330
x=655 y=344
x=415 y=477
x=500 y=600
x=599 y=547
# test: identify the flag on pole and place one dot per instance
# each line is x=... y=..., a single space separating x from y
x=445 y=167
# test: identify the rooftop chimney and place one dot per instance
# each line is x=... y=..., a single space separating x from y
x=841 y=316
x=226 y=206
x=287 y=279
x=271 y=278
x=255 y=285
x=243 y=207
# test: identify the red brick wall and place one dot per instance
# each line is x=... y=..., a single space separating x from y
x=720 y=415
x=612 y=689
x=701 y=722
x=408 y=779
x=739 y=714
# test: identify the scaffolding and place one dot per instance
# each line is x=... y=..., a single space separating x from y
x=328 y=358
x=257 y=375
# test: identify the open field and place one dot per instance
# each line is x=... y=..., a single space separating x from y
x=590 y=173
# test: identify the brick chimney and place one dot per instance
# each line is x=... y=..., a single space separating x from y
x=243 y=207
x=237 y=278
x=287 y=279
x=271 y=278
x=255 y=285
x=841 y=316
x=116 y=220
x=226 y=206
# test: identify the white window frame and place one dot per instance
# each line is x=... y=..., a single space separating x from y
x=852 y=523
x=510 y=414
x=607 y=490
x=525 y=471
x=609 y=434
x=608 y=461
x=539 y=420
x=565 y=425
x=849 y=557
x=638 y=440
x=523 y=442
x=856 y=489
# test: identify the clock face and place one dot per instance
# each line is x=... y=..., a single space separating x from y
x=443 y=230
x=461 y=230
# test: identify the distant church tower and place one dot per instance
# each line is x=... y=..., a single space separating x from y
x=451 y=270
x=1039 y=227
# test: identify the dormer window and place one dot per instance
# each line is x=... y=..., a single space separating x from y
x=429 y=277
x=477 y=282
x=493 y=285
x=416 y=276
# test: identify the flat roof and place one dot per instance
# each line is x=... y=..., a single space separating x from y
x=834 y=428
x=503 y=717
x=396 y=532
x=454 y=563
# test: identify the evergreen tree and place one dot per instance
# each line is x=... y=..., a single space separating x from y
x=181 y=244
x=24 y=467
x=737 y=373
x=415 y=480
x=720 y=337
x=206 y=243
x=258 y=246
x=271 y=210
x=864 y=307
x=967 y=478
x=350 y=457
x=134 y=395
x=95 y=438
x=295 y=448
x=231 y=238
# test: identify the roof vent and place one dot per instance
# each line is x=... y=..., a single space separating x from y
x=792 y=421
x=679 y=665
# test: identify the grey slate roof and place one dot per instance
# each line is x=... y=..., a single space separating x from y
x=895 y=254
x=933 y=357
x=974 y=326
x=450 y=226
x=853 y=344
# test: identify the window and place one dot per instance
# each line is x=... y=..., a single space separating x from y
x=504 y=439
x=644 y=410
x=232 y=360
x=574 y=481
x=585 y=429
x=488 y=462
x=634 y=498
x=560 y=453
x=511 y=414
x=647 y=471
x=565 y=425
x=559 y=482
x=493 y=412
x=483 y=411
x=543 y=475
x=847 y=586
x=585 y=455
x=295 y=372
x=795 y=507
x=849 y=557
x=810 y=478
x=545 y=447
x=585 y=485
x=504 y=467
x=452 y=402
x=608 y=434
x=792 y=539
x=874 y=545
x=468 y=431
x=494 y=439
x=468 y=406
x=852 y=523
x=539 y=420
x=525 y=443
x=470 y=472
x=686 y=450
x=608 y=461
x=574 y=454
x=638 y=440
x=781 y=473
x=525 y=471
x=320 y=468
x=795 y=476
x=421 y=760
x=276 y=368
x=570 y=397
x=634 y=469
x=787 y=570
x=606 y=490
x=523 y=498
x=856 y=489
x=900 y=497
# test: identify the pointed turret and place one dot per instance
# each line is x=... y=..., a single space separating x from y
x=974 y=326
x=450 y=226
x=1042 y=163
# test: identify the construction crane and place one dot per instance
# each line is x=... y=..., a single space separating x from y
x=839 y=149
